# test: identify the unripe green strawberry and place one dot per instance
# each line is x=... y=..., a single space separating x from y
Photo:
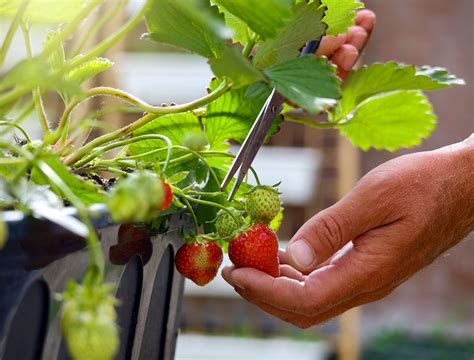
x=3 y=232
x=88 y=323
x=226 y=226
x=136 y=198
x=195 y=140
x=263 y=204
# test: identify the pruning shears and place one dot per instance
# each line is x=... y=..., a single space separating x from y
x=258 y=132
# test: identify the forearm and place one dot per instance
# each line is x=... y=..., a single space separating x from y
x=460 y=181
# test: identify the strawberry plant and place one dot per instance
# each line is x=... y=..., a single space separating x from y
x=172 y=158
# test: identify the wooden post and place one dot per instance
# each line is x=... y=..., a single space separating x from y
x=348 y=160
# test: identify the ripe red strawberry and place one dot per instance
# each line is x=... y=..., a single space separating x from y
x=257 y=248
x=199 y=261
x=122 y=253
x=168 y=197
x=130 y=232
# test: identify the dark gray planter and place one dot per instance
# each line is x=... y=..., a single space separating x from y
x=38 y=259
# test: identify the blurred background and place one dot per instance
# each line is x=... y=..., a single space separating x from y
x=429 y=317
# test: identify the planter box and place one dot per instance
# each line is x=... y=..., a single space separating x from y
x=38 y=259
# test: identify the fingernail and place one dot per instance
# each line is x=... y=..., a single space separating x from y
x=349 y=61
x=302 y=253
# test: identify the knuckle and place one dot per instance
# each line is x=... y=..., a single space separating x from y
x=328 y=232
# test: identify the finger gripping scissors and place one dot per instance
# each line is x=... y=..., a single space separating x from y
x=255 y=138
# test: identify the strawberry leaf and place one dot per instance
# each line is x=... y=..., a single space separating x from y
x=379 y=78
x=265 y=17
x=308 y=81
x=391 y=121
x=175 y=127
x=304 y=26
x=234 y=65
x=190 y=25
x=340 y=15
x=231 y=116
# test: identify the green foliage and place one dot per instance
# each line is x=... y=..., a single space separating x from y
x=375 y=79
x=308 y=81
x=340 y=15
x=304 y=25
x=264 y=17
x=390 y=121
x=188 y=25
x=234 y=65
x=30 y=72
x=86 y=190
x=43 y=11
x=232 y=115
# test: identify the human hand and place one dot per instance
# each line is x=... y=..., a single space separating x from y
x=397 y=220
x=344 y=50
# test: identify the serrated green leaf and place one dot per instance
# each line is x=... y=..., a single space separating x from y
x=57 y=57
x=43 y=11
x=234 y=65
x=86 y=190
x=264 y=17
x=308 y=81
x=379 y=78
x=231 y=116
x=76 y=77
x=340 y=15
x=391 y=121
x=240 y=28
x=304 y=26
x=174 y=126
x=191 y=25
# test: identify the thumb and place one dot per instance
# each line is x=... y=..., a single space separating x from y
x=328 y=231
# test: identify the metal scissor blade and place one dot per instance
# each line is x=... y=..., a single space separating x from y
x=238 y=160
x=271 y=109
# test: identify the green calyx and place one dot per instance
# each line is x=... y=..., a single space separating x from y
x=262 y=204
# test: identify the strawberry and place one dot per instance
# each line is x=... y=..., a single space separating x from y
x=130 y=232
x=226 y=225
x=168 y=197
x=88 y=322
x=257 y=248
x=263 y=204
x=136 y=198
x=120 y=254
x=199 y=261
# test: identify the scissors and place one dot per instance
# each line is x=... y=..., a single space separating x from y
x=254 y=140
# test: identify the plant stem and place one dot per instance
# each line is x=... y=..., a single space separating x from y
x=180 y=193
x=309 y=122
x=104 y=149
x=23 y=131
x=249 y=46
x=36 y=92
x=156 y=110
x=86 y=149
x=210 y=203
x=12 y=30
x=120 y=4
